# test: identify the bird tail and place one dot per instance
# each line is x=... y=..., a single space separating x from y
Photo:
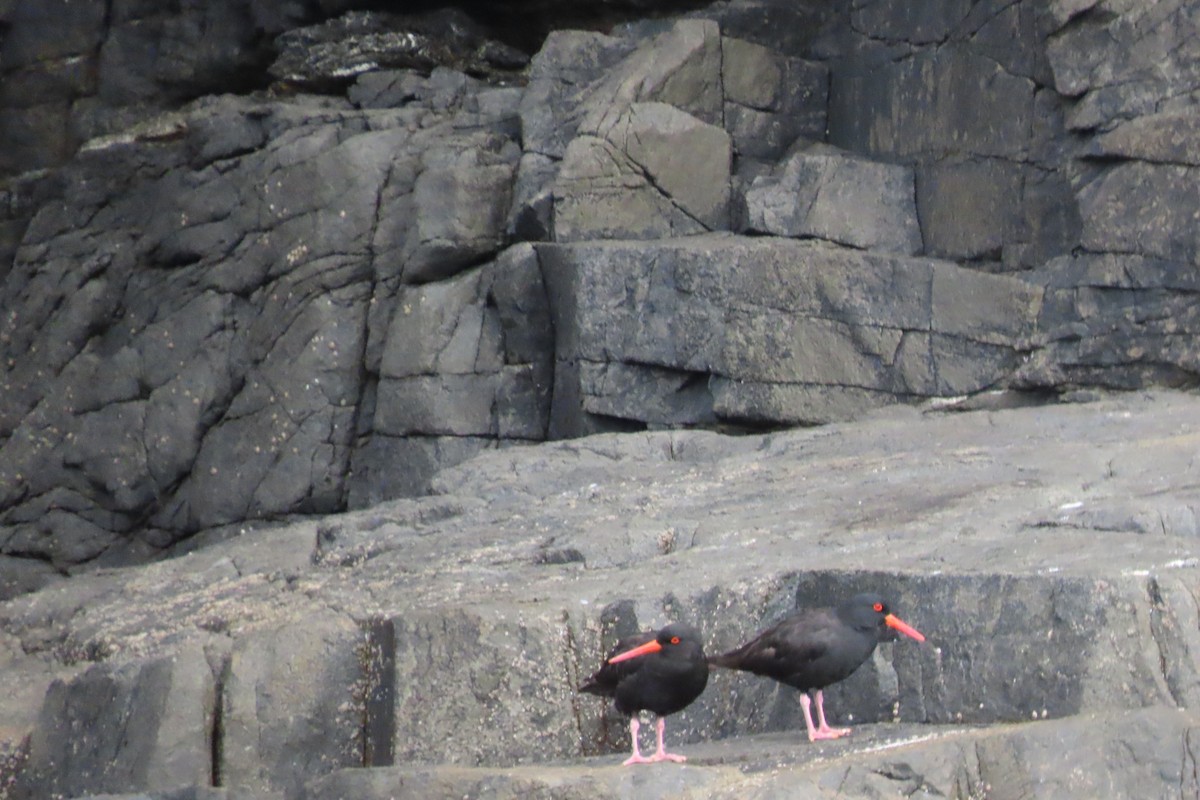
x=726 y=660
x=591 y=687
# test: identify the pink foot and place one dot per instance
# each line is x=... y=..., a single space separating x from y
x=827 y=733
x=821 y=731
x=637 y=758
x=678 y=759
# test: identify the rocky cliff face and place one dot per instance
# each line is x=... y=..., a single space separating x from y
x=265 y=262
x=288 y=303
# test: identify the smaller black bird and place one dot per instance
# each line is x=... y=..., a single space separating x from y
x=814 y=648
x=661 y=672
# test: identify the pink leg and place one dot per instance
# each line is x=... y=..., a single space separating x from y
x=637 y=757
x=823 y=731
x=661 y=753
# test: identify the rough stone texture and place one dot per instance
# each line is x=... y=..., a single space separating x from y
x=194 y=335
x=1156 y=70
x=771 y=100
x=1046 y=760
x=359 y=42
x=281 y=305
x=837 y=197
x=751 y=330
x=143 y=726
x=658 y=172
x=1116 y=321
x=650 y=159
x=200 y=367
x=290 y=709
x=503 y=590
x=953 y=89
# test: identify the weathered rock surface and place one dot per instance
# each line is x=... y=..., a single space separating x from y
x=842 y=199
x=746 y=331
x=335 y=52
x=266 y=306
x=222 y=324
x=395 y=630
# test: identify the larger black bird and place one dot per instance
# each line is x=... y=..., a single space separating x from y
x=661 y=672
x=814 y=648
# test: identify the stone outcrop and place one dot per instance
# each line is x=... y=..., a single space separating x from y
x=276 y=304
x=295 y=293
x=445 y=635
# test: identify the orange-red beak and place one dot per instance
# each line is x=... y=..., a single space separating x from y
x=651 y=646
x=895 y=622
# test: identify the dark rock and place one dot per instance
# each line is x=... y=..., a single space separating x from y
x=144 y=726
x=333 y=53
x=875 y=329
x=1143 y=208
x=312 y=726
x=1165 y=138
x=771 y=100
x=958 y=220
x=840 y=198
x=1027 y=622
x=1120 y=69
x=932 y=103
x=648 y=161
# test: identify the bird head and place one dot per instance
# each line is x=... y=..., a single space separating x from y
x=871 y=611
x=676 y=637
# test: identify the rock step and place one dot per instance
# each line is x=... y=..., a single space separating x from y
x=1145 y=753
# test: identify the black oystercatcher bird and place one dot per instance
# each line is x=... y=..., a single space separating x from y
x=661 y=672
x=814 y=648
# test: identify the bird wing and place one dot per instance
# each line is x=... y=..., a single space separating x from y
x=605 y=680
x=788 y=648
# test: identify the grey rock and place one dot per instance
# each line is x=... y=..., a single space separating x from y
x=469 y=357
x=681 y=67
x=312 y=724
x=145 y=726
x=460 y=201
x=1115 y=321
x=1084 y=58
x=232 y=391
x=658 y=172
x=958 y=220
x=771 y=100
x=1165 y=137
x=840 y=198
x=532 y=215
x=1143 y=208
x=506 y=588
x=322 y=56
x=21 y=575
x=648 y=160
x=783 y=327
x=1020 y=758
x=387 y=467
x=559 y=79
x=931 y=103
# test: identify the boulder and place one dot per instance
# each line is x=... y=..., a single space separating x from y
x=770 y=99
x=659 y=172
x=145 y=726
x=649 y=159
x=769 y=331
x=840 y=198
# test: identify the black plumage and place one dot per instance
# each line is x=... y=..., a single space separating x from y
x=661 y=672
x=814 y=648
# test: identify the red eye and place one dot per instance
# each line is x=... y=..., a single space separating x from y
x=674 y=640
x=878 y=607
